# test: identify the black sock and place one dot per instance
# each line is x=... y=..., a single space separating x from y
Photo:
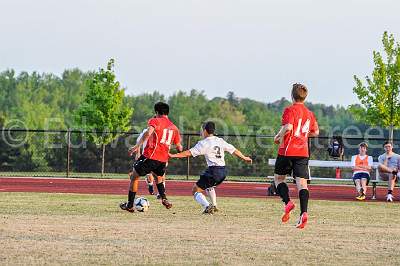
x=131 y=198
x=161 y=190
x=390 y=191
x=283 y=192
x=303 y=196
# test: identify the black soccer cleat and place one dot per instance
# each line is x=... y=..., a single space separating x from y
x=215 y=209
x=125 y=206
x=209 y=210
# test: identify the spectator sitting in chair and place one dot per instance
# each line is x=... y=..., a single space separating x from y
x=388 y=168
x=362 y=165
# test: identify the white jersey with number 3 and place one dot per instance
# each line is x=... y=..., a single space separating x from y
x=213 y=148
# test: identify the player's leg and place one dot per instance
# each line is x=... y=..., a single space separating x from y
x=133 y=188
x=202 y=184
x=283 y=167
x=364 y=184
x=359 y=188
x=201 y=199
x=140 y=168
x=164 y=176
x=384 y=176
x=159 y=171
x=303 y=197
x=213 y=197
x=302 y=173
x=282 y=188
x=357 y=184
x=163 y=181
x=391 y=184
x=149 y=181
x=218 y=176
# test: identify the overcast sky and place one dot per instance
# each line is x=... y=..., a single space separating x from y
x=256 y=48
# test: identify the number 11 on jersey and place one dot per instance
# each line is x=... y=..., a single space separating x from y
x=167 y=136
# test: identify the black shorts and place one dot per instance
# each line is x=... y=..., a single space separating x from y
x=213 y=176
x=144 y=166
x=361 y=176
x=287 y=165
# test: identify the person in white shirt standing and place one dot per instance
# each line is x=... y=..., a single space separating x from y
x=362 y=165
x=213 y=148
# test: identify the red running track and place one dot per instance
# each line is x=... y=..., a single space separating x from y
x=174 y=188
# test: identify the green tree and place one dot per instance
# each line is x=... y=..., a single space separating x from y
x=380 y=102
x=102 y=111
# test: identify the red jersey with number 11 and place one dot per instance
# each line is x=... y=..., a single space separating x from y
x=165 y=133
x=295 y=142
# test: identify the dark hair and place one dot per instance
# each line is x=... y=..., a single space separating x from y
x=299 y=92
x=161 y=108
x=363 y=144
x=209 y=127
x=387 y=142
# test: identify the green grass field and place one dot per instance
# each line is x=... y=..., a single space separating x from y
x=40 y=228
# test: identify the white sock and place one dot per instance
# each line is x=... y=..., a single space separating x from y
x=200 y=198
x=211 y=194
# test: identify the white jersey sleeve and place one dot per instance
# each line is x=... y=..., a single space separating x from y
x=198 y=149
x=140 y=137
x=228 y=147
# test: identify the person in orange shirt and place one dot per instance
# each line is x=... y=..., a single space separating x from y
x=362 y=165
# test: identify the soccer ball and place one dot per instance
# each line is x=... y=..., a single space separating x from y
x=141 y=204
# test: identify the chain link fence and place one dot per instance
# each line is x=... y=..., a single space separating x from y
x=70 y=154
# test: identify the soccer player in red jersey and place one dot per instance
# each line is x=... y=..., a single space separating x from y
x=298 y=124
x=160 y=134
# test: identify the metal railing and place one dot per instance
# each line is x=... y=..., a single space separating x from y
x=69 y=153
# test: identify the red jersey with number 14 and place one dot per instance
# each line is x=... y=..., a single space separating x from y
x=295 y=142
x=165 y=133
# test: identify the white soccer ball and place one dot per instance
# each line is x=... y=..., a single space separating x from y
x=142 y=204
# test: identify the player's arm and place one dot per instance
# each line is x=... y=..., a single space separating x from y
x=182 y=154
x=282 y=132
x=240 y=155
x=177 y=140
x=193 y=152
x=179 y=147
x=314 y=132
x=138 y=154
x=146 y=135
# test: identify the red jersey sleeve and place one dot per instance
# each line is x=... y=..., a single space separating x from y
x=287 y=117
x=153 y=123
x=314 y=124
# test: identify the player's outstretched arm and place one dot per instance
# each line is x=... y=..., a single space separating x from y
x=241 y=156
x=179 y=147
x=183 y=154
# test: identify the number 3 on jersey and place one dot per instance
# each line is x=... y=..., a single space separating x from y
x=305 y=129
x=167 y=137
